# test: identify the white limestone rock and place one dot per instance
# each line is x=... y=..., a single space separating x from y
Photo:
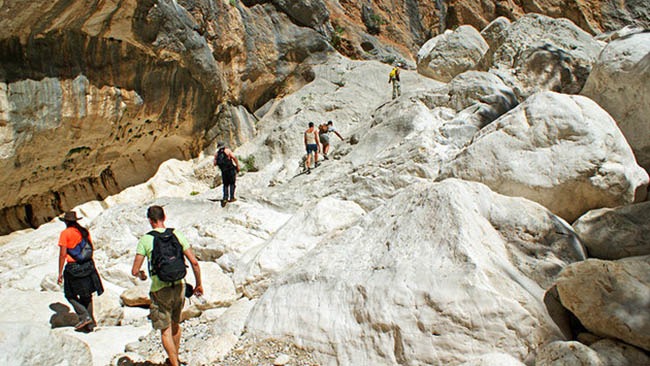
x=567 y=354
x=493 y=359
x=539 y=53
x=34 y=344
x=233 y=319
x=561 y=151
x=219 y=290
x=620 y=83
x=602 y=353
x=607 y=296
x=442 y=273
x=494 y=33
x=615 y=233
x=107 y=309
x=136 y=295
x=257 y=268
x=451 y=53
x=616 y=353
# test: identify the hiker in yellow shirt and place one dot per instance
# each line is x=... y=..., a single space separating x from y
x=393 y=77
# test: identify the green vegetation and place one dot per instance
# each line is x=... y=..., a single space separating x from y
x=247 y=164
x=233 y=2
x=194 y=193
x=377 y=19
x=336 y=38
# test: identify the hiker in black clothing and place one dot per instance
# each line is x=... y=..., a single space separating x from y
x=229 y=166
x=80 y=279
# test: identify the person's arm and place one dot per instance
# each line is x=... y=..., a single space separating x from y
x=232 y=157
x=137 y=264
x=305 y=139
x=198 y=288
x=338 y=134
x=62 y=253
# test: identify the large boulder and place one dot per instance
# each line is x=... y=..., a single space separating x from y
x=562 y=151
x=620 y=83
x=617 y=232
x=451 y=53
x=443 y=273
x=538 y=53
x=607 y=297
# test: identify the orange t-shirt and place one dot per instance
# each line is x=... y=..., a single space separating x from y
x=69 y=238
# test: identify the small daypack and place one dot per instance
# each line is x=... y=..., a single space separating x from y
x=82 y=252
x=223 y=161
x=167 y=259
x=322 y=128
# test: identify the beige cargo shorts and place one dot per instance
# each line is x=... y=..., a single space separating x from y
x=167 y=305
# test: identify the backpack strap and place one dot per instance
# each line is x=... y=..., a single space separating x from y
x=157 y=234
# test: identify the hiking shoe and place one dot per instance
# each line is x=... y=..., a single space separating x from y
x=223 y=203
x=82 y=324
x=316 y=165
x=326 y=157
x=308 y=171
x=232 y=200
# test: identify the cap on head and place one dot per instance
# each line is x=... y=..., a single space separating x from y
x=220 y=144
x=70 y=216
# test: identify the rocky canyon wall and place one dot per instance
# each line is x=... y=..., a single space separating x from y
x=94 y=95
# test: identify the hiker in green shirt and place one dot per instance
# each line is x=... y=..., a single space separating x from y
x=167 y=297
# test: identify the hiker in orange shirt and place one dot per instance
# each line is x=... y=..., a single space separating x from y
x=79 y=277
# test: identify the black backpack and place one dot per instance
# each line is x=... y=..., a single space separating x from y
x=167 y=259
x=82 y=252
x=223 y=161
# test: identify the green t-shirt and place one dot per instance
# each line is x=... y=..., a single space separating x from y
x=145 y=247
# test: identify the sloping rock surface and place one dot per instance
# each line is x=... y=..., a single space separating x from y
x=395 y=283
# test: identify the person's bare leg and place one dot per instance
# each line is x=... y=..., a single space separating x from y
x=169 y=345
x=176 y=335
